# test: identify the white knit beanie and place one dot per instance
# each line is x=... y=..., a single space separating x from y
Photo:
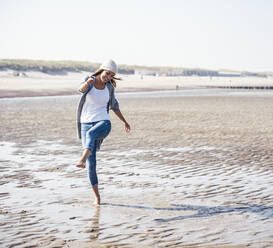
x=109 y=65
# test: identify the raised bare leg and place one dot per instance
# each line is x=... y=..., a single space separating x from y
x=86 y=153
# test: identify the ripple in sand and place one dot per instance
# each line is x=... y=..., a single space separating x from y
x=202 y=174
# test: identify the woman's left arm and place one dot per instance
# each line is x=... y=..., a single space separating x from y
x=120 y=116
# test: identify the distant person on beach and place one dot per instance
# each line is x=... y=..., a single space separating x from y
x=93 y=116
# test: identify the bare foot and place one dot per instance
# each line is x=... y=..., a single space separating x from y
x=97 y=201
x=80 y=165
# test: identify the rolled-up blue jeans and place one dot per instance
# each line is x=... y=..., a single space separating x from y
x=91 y=133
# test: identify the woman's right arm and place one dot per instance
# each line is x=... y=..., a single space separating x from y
x=84 y=86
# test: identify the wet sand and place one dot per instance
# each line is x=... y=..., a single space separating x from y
x=195 y=171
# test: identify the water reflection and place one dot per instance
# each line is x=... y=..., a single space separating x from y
x=95 y=224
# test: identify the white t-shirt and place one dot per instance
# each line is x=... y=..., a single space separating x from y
x=95 y=106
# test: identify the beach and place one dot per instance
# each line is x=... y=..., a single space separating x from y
x=195 y=171
x=33 y=83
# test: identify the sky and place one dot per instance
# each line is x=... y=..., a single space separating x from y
x=209 y=34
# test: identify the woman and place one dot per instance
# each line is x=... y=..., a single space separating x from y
x=93 y=117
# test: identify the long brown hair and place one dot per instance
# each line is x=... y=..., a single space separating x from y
x=112 y=81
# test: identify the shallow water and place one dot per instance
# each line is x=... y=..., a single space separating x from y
x=159 y=93
x=162 y=196
x=196 y=92
x=200 y=174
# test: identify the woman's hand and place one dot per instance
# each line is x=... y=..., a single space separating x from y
x=120 y=116
x=127 y=127
x=90 y=80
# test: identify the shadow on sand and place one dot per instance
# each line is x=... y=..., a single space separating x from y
x=204 y=211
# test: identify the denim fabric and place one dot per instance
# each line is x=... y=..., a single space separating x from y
x=112 y=104
x=91 y=134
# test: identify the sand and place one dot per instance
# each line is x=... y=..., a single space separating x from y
x=41 y=84
x=196 y=171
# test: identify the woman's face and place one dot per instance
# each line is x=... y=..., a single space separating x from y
x=106 y=76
